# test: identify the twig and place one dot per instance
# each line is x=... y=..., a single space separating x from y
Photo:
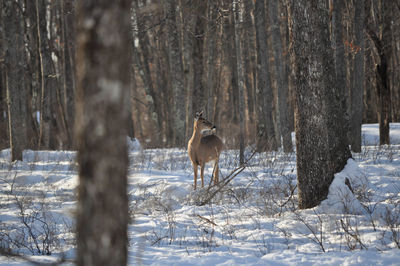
x=206 y=219
x=226 y=180
x=10 y=253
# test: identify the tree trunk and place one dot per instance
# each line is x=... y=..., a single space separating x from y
x=357 y=91
x=212 y=36
x=14 y=78
x=339 y=55
x=264 y=123
x=4 y=136
x=48 y=82
x=143 y=65
x=176 y=75
x=283 y=88
x=248 y=59
x=198 y=100
x=230 y=56
x=321 y=143
x=383 y=47
x=103 y=68
x=382 y=70
x=68 y=17
x=238 y=20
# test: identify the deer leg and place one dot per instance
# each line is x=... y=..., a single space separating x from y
x=195 y=175
x=216 y=173
x=202 y=174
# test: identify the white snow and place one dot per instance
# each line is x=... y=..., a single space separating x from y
x=254 y=222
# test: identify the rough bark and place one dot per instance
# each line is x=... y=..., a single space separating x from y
x=357 y=91
x=321 y=143
x=264 y=123
x=14 y=78
x=282 y=80
x=103 y=68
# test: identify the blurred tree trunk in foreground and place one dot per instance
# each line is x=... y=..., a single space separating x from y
x=103 y=83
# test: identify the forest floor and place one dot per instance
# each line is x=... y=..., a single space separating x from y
x=252 y=220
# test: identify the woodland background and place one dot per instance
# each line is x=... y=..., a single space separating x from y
x=185 y=59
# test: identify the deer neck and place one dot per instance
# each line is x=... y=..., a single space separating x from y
x=196 y=137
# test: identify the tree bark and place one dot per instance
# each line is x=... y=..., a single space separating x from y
x=357 y=91
x=4 y=136
x=383 y=47
x=212 y=36
x=176 y=74
x=14 y=78
x=49 y=84
x=198 y=100
x=143 y=64
x=321 y=143
x=283 y=88
x=68 y=17
x=240 y=74
x=103 y=79
x=264 y=123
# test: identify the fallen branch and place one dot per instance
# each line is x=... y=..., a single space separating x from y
x=225 y=181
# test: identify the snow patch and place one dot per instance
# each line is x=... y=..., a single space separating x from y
x=341 y=199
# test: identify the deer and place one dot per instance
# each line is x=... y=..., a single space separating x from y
x=204 y=148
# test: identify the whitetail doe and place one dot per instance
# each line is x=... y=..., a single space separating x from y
x=203 y=149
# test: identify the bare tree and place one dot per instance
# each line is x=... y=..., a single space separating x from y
x=176 y=74
x=238 y=19
x=357 y=90
x=321 y=141
x=103 y=68
x=14 y=77
x=68 y=60
x=282 y=77
x=141 y=56
x=265 y=126
x=383 y=46
x=47 y=80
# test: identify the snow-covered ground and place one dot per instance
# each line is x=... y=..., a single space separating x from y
x=253 y=220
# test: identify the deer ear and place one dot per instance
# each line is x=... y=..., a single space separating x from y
x=198 y=115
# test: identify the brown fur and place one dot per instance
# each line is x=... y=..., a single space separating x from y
x=202 y=149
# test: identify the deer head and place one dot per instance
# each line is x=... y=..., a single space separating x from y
x=202 y=124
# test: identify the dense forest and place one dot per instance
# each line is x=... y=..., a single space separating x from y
x=189 y=56
x=83 y=75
